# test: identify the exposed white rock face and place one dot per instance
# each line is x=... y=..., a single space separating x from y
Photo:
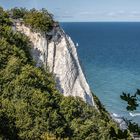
x=60 y=55
x=119 y=120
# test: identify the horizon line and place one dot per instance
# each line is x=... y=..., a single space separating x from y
x=100 y=21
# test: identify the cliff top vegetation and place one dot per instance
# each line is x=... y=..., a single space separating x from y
x=38 y=20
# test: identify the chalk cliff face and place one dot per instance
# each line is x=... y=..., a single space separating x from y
x=57 y=51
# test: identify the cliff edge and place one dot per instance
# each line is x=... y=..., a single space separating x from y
x=57 y=51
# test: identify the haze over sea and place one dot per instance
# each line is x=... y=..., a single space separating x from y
x=110 y=57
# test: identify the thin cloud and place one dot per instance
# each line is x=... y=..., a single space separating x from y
x=135 y=14
x=124 y=14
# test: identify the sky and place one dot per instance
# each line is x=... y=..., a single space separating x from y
x=83 y=10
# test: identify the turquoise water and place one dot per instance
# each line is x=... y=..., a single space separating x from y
x=110 y=57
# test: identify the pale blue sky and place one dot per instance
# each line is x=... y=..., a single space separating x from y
x=84 y=10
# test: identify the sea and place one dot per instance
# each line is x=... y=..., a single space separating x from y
x=109 y=54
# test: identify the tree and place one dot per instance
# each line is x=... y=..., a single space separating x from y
x=4 y=18
x=132 y=105
x=39 y=21
x=132 y=100
x=17 y=13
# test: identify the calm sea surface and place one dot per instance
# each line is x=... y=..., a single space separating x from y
x=110 y=57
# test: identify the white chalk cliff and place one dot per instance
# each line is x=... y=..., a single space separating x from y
x=57 y=51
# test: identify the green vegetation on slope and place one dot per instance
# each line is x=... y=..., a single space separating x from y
x=30 y=105
x=38 y=20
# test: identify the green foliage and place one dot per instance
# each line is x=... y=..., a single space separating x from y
x=133 y=127
x=4 y=18
x=37 y=20
x=132 y=105
x=17 y=13
x=32 y=108
x=8 y=129
x=119 y=135
x=132 y=100
x=102 y=109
